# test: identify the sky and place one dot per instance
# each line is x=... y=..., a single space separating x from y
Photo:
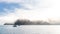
x=45 y=10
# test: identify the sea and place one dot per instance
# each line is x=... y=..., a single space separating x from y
x=30 y=29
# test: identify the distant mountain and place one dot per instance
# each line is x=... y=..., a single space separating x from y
x=28 y=22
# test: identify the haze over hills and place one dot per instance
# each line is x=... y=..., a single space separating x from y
x=28 y=22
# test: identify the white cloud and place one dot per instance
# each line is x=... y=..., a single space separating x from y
x=39 y=14
x=30 y=3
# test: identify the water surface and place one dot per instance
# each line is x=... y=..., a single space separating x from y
x=30 y=29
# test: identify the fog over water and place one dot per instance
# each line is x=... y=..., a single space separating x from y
x=47 y=11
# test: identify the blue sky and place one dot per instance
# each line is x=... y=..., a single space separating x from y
x=9 y=6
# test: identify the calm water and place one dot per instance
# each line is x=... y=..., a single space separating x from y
x=30 y=29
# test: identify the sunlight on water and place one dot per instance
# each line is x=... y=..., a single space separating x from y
x=30 y=29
